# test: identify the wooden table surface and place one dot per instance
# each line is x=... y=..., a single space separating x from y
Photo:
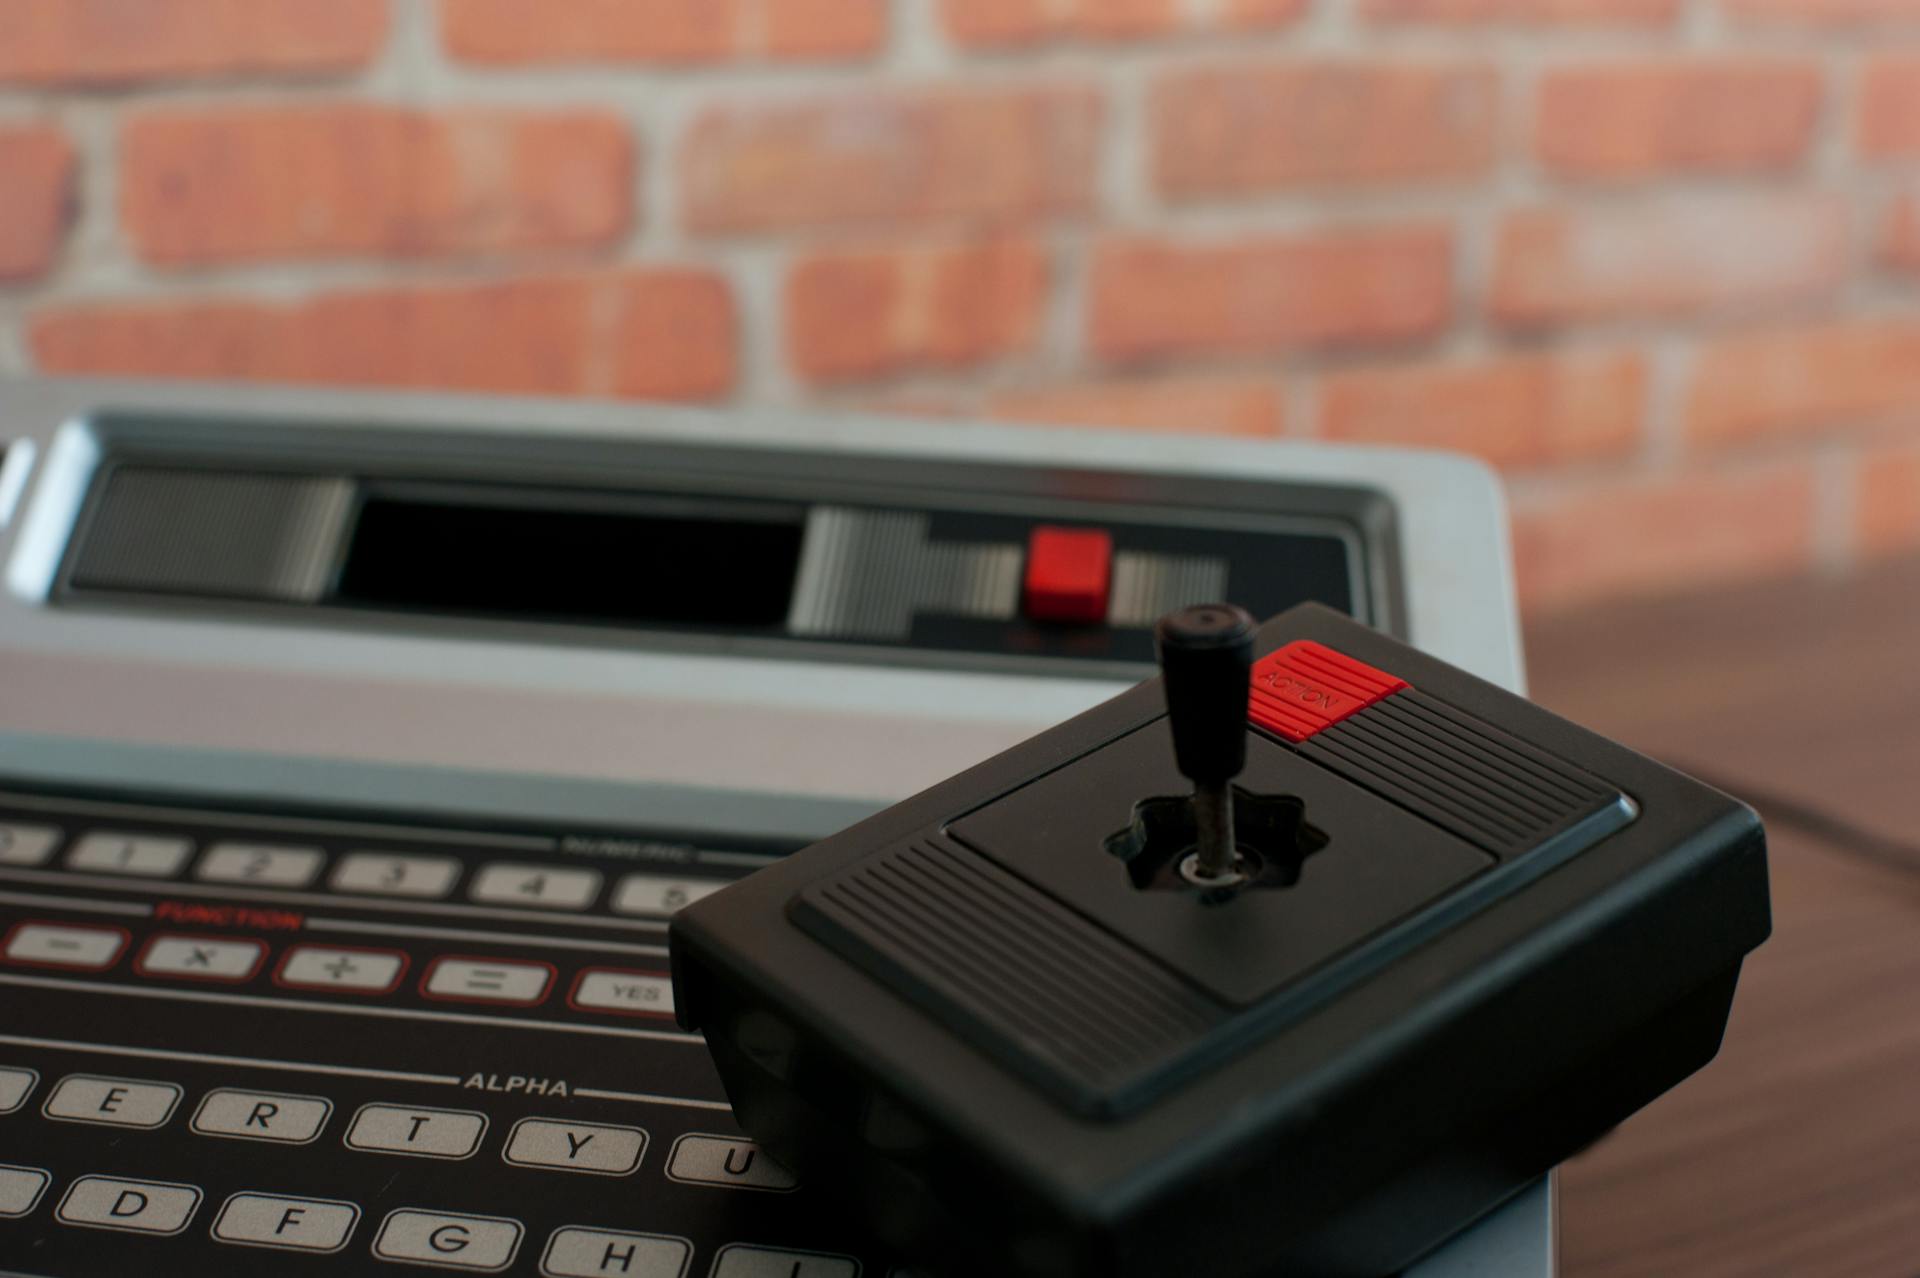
x=1798 y=1150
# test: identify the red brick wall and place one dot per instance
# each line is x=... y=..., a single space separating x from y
x=1657 y=259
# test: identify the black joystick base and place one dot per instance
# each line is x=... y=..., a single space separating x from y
x=1273 y=841
x=1023 y=1030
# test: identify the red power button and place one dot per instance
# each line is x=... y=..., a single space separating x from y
x=1069 y=575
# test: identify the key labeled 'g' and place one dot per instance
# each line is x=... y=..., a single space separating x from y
x=451 y=1239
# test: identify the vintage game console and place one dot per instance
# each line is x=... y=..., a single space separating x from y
x=356 y=750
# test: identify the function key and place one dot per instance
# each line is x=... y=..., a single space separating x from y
x=27 y=844
x=536 y=885
x=575 y=1252
x=20 y=1189
x=113 y=1102
x=291 y=1120
x=261 y=864
x=352 y=971
x=147 y=855
x=600 y=1148
x=293 y=1224
x=661 y=896
x=416 y=1130
x=392 y=874
x=15 y=1086
x=64 y=945
x=467 y=980
x=721 y=1160
x=200 y=958
x=448 y=1238
x=612 y=989
x=738 y=1261
x=140 y=1206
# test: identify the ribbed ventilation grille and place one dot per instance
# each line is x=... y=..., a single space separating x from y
x=1464 y=775
x=239 y=536
x=1052 y=994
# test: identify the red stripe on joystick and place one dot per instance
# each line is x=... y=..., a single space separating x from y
x=1307 y=687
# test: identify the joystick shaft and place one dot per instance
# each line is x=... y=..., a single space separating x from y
x=1206 y=664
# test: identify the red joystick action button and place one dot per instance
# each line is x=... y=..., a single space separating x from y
x=1069 y=575
x=1307 y=687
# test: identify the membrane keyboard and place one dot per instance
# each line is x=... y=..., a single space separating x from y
x=281 y=1043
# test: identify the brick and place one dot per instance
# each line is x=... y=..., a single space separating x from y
x=1222 y=130
x=1203 y=405
x=1900 y=246
x=821 y=30
x=516 y=33
x=909 y=156
x=1647 y=535
x=1888 y=520
x=1726 y=253
x=1823 y=13
x=1152 y=297
x=1636 y=120
x=82 y=42
x=1011 y=23
x=1527 y=410
x=650 y=333
x=36 y=197
x=1803 y=381
x=1889 y=127
x=234 y=184
x=1263 y=13
x=1632 y=13
x=851 y=316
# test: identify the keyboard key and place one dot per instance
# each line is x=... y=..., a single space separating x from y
x=391 y=874
x=663 y=897
x=140 y=1206
x=416 y=1130
x=575 y=1252
x=487 y=981
x=538 y=885
x=115 y=1102
x=318 y=967
x=583 y=1147
x=722 y=1160
x=20 y=1189
x=15 y=1086
x=291 y=1120
x=65 y=945
x=147 y=855
x=608 y=989
x=448 y=1238
x=27 y=844
x=737 y=1261
x=296 y=1224
x=260 y=864
x=200 y=958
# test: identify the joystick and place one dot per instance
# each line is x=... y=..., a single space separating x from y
x=1458 y=940
x=1206 y=661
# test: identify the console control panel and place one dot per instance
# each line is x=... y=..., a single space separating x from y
x=261 y=1043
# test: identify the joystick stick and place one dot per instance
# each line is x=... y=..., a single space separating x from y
x=1206 y=663
x=1458 y=940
